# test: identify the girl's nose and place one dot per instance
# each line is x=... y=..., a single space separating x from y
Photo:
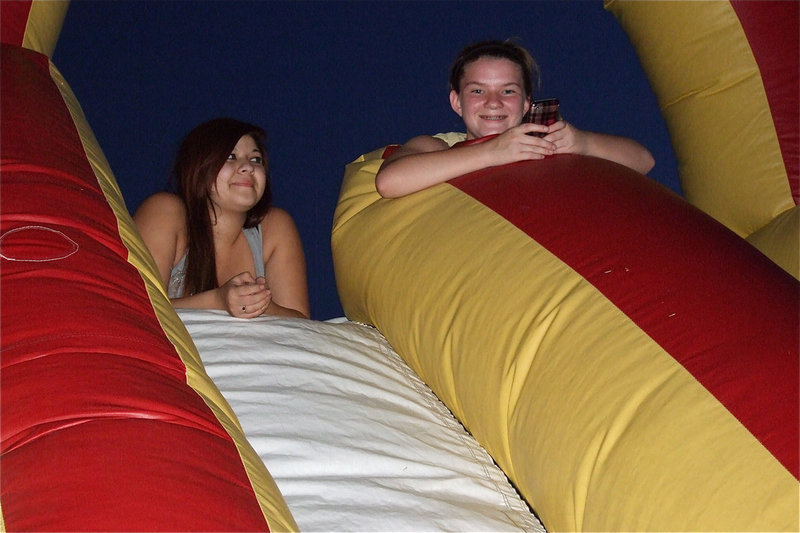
x=492 y=100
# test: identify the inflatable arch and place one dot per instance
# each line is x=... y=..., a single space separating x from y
x=726 y=78
x=121 y=428
x=628 y=360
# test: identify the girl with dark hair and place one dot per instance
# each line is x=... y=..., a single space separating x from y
x=491 y=83
x=218 y=243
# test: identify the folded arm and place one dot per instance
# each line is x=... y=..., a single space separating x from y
x=425 y=161
x=570 y=140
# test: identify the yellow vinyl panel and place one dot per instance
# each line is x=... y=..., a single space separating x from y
x=45 y=20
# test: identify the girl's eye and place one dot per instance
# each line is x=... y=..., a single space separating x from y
x=258 y=160
x=231 y=157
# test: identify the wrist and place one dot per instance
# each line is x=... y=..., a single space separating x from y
x=219 y=299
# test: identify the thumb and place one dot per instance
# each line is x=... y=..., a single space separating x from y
x=243 y=278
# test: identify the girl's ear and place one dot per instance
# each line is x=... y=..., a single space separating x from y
x=455 y=103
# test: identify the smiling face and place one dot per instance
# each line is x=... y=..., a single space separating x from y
x=491 y=96
x=242 y=179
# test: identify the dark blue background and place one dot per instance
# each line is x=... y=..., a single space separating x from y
x=329 y=81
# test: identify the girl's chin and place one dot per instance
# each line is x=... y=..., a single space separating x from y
x=485 y=132
x=492 y=128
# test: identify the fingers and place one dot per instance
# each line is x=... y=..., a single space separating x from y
x=249 y=294
x=519 y=144
x=525 y=140
x=242 y=279
x=566 y=138
x=251 y=310
x=538 y=144
x=246 y=296
x=245 y=283
x=530 y=129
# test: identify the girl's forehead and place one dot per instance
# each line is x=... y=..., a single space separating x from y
x=488 y=67
x=246 y=142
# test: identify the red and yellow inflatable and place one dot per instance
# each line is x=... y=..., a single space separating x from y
x=726 y=78
x=109 y=422
x=626 y=356
x=629 y=361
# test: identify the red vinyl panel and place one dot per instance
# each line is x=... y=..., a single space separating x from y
x=14 y=15
x=773 y=31
x=100 y=431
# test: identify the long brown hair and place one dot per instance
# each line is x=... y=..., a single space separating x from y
x=198 y=161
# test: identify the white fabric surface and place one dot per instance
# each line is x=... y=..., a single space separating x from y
x=354 y=439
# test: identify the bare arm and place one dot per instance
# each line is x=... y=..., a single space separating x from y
x=569 y=139
x=285 y=266
x=161 y=221
x=416 y=165
x=426 y=161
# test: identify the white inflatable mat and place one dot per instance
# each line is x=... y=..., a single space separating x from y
x=354 y=440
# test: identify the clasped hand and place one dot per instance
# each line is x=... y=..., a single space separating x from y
x=245 y=296
x=517 y=143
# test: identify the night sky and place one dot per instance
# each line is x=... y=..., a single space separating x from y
x=329 y=81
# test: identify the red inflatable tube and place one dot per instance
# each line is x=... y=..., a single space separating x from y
x=100 y=430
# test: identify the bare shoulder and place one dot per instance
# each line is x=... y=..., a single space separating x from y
x=161 y=206
x=277 y=218
x=280 y=239
x=421 y=144
x=417 y=145
x=161 y=221
x=425 y=143
x=277 y=226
